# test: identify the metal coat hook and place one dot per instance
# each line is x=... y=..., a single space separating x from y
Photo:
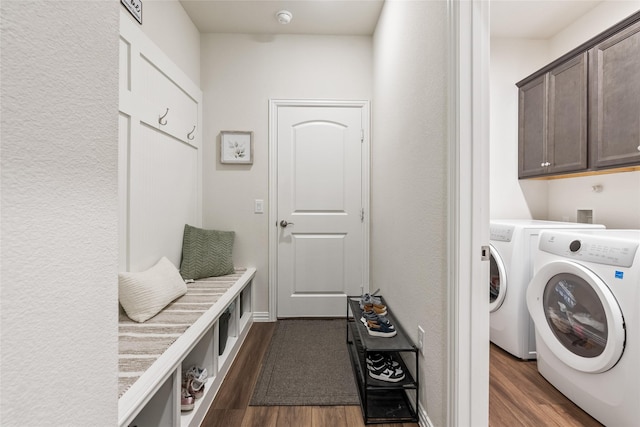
x=190 y=134
x=162 y=117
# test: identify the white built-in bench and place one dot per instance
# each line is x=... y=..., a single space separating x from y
x=185 y=333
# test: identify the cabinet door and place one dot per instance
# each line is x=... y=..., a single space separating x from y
x=532 y=128
x=567 y=116
x=615 y=99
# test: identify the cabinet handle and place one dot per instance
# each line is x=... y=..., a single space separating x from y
x=638 y=147
x=545 y=164
x=542 y=164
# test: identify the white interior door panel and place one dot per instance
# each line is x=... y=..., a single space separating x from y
x=320 y=236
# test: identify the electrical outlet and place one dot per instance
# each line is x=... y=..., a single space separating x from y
x=420 y=344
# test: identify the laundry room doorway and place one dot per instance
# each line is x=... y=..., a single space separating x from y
x=318 y=199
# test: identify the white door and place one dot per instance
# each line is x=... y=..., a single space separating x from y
x=320 y=224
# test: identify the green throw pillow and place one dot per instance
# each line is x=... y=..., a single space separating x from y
x=206 y=253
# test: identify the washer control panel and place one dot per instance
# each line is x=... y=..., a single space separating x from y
x=590 y=248
x=501 y=233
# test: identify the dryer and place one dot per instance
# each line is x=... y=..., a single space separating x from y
x=584 y=299
x=512 y=244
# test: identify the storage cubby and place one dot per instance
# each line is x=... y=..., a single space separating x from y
x=245 y=303
x=202 y=355
x=381 y=401
x=162 y=409
x=231 y=333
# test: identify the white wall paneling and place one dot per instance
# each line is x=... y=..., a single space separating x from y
x=160 y=157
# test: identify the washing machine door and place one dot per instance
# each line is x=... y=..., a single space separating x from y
x=577 y=316
x=497 y=280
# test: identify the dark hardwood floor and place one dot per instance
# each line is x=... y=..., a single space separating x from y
x=518 y=396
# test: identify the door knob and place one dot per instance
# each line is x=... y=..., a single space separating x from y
x=284 y=223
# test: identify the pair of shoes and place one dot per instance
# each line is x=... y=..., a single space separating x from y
x=380 y=329
x=193 y=380
x=196 y=373
x=187 y=401
x=379 y=309
x=190 y=392
x=384 y=368
x=370 y=299
x=370 y=315
x=378 y=359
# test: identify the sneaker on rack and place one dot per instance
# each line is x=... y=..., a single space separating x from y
x=386 y=373
x=370 y=299
x=380 y=330
x=379 y=309
x=389 y=363
x=378 y=359
x=370 y=315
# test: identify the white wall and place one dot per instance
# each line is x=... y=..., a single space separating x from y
x=409 y=179
x=598 y=19
x=59 y=213
x=618 y=205
x=240 y=73
x=511 y=61
x=168 y=25
x=514 y=59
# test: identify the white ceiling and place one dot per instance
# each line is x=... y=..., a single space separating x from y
x=335 y=17
x=535 y=19
x=539 y=19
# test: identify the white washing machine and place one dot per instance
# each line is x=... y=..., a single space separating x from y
x=584 y=299
x=512 y=244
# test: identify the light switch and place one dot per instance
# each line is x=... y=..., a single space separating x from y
x=259 y=206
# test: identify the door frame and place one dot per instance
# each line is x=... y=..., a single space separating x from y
x=274 y=105
x=468 y=220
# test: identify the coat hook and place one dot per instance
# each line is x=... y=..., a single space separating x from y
x=190 y=134
x=162 y=117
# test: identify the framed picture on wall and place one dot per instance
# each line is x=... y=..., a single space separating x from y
x=236 y=147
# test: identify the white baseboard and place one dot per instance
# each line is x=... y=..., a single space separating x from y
x=261 y=316
x=423 y=418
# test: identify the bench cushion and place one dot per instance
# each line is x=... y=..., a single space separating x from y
x=140 y=344
x=144 y=294
x=206 y=253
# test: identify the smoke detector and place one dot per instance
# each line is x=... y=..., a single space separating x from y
x=284 y=17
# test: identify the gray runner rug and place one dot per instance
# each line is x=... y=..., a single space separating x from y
x=307 y=364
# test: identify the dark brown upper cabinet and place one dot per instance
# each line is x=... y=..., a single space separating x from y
x=614 y=67
x=582 y=111
x=552 y=135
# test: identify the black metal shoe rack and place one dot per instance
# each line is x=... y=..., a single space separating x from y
x=381 y=401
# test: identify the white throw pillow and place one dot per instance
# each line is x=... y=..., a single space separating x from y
x=145 y=294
